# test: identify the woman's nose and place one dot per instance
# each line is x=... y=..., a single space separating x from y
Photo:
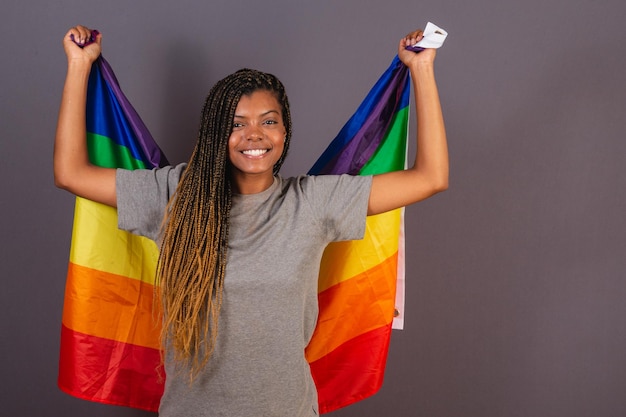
x=254 y=133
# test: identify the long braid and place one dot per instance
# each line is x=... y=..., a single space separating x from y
x=192 y=261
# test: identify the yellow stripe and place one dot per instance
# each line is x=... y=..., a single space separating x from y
x=98 y=244
x=110 y=306
x=344 y=260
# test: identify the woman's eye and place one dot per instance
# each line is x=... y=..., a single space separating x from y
x=236 y=125
x=270 y=122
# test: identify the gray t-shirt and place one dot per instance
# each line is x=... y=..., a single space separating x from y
x=269 y=310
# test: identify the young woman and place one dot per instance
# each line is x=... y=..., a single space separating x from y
x=240 y=245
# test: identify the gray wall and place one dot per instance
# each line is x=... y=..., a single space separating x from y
x=515 y=275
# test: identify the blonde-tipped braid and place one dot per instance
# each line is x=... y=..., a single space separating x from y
x=192 y=261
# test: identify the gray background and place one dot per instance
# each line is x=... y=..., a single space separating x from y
x=515 y=275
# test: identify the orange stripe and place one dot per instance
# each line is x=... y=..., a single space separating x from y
x=353 y=307
x=110 y=306
x=343 y=260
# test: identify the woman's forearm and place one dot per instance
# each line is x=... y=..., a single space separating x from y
x=432 y=150
x=70 y=145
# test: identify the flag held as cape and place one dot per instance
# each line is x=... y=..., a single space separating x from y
x=110 y=349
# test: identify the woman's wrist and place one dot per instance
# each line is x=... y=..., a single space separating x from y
x=78 y=65
x=422 y=70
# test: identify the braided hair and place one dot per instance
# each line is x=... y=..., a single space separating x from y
x=192 y=260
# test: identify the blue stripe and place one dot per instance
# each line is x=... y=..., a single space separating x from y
x=105 y=116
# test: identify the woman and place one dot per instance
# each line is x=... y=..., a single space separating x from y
x=240 y=245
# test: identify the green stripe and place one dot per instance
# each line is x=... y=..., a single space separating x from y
x=391 y=154
x=106 y=153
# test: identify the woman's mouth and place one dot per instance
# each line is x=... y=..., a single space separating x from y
x=254 y=152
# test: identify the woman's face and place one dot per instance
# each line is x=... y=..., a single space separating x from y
x=258 y=137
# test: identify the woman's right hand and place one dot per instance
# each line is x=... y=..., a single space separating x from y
x=73 y=43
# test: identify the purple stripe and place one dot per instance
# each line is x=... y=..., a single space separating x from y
x=151 y=150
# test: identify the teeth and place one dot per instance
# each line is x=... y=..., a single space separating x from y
x=255 y=152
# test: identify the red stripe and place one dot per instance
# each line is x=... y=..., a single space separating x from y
x=359 y=374
x=110 y=372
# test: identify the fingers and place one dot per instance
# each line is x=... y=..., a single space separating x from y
x=82 y=45
x=413 y=37
x=81 y=35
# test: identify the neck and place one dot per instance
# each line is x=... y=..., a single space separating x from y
x=251 y=184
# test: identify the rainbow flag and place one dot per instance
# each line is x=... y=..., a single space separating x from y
x=110 y=331
x=110 y=348
x=357 y=286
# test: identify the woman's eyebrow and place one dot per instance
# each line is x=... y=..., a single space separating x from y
x=262 y=114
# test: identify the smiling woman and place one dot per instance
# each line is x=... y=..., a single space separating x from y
x=240 y=245
x=256 y=142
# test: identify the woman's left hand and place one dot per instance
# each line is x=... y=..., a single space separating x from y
x=410 y=58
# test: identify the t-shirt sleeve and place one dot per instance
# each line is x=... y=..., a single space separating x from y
x=142 y=196
x=340 y=203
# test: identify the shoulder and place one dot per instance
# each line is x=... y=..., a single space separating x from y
x=319 y=189
x=168 y=175
x=142 y=196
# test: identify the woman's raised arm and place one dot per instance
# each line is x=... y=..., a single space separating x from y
x=429 y=174
x=72 y=170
